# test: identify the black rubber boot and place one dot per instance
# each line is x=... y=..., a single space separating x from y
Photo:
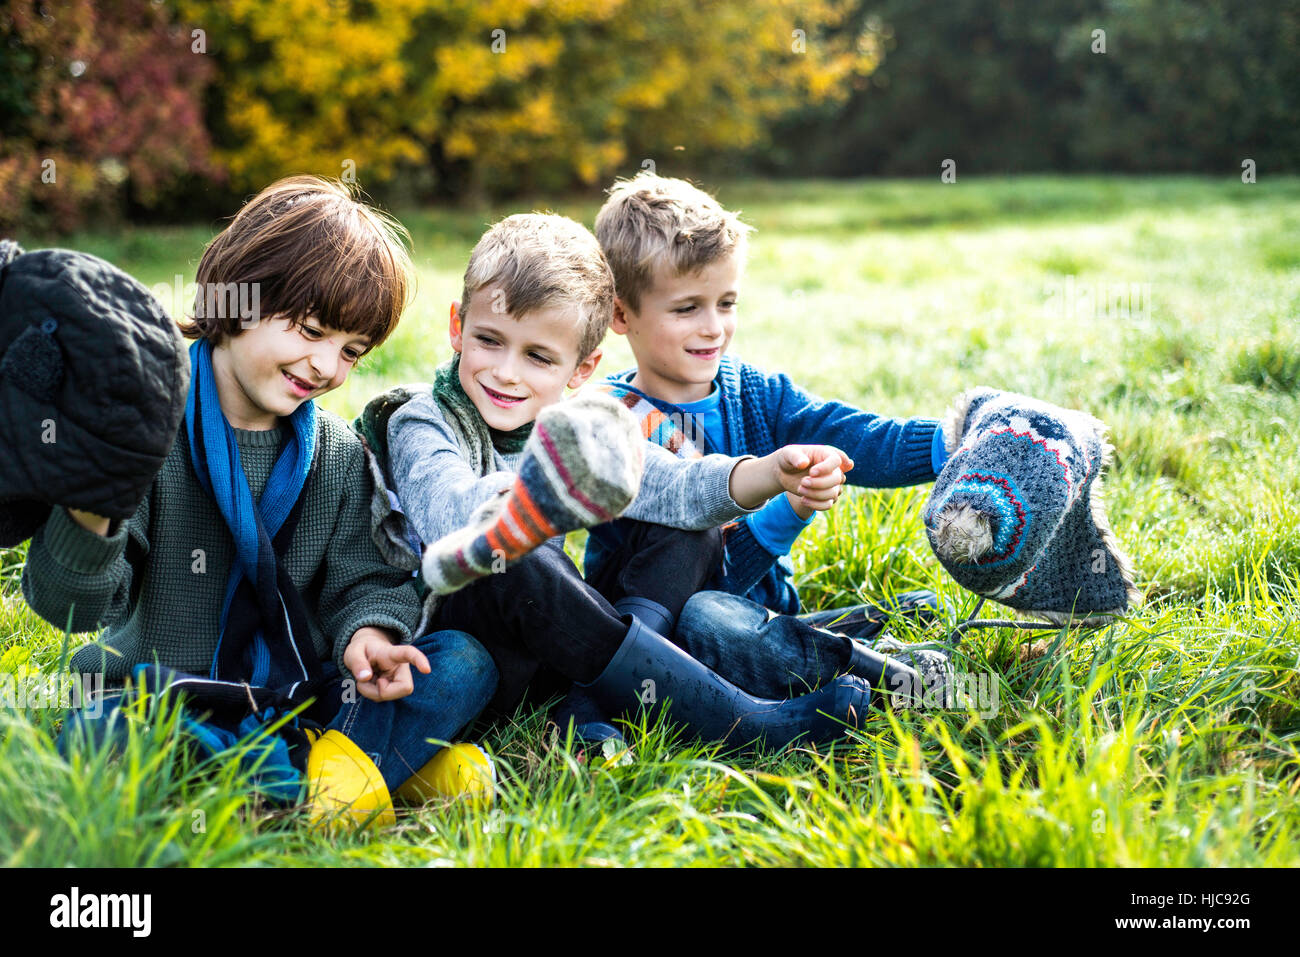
x=652 y=614
x=590 y=724
x=650 y=671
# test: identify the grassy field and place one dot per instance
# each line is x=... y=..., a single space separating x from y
x=1166 y=306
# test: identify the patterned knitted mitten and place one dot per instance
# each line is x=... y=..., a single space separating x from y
x=581 y=467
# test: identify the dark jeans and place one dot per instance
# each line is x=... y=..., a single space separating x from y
x=546 y=627
x=780 y=656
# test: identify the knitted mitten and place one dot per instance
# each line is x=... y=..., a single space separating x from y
x=581 y=467
x=1016 y=514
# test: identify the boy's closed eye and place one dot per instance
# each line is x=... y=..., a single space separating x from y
x=689 y=307
x=351 y=353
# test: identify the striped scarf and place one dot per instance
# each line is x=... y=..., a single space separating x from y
x=658 y=427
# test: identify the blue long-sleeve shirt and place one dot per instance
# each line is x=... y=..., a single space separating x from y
x=752 y=412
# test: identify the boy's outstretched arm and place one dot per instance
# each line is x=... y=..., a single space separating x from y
x=712 y=490
x=686 y=493
x=889 y=452
x=813 y=473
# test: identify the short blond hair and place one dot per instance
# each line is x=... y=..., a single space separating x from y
x=651 y=221
x=543 y=260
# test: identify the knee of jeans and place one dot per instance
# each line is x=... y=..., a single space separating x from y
x=708 y=612
x=477 y=670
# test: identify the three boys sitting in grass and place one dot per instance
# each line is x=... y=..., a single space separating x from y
x=488 y=461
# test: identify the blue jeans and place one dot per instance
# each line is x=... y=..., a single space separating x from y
x=785 y=655
x=397 y=734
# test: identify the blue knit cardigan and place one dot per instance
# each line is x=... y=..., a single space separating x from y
x=763 y=411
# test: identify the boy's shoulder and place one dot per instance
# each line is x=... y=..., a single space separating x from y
x=372 y=425
x=333 y=431
x=739 y=377
x=736 y=378
x=337 y=446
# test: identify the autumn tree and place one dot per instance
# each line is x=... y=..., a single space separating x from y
x=99 y=104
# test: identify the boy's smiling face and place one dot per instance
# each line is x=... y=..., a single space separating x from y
x=513 y=367
x=682 y=329
x=270 y=369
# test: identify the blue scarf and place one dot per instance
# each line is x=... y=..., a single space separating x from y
x=264 y=635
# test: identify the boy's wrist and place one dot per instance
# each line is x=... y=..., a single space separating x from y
x=367 y=632
x=749 y=478
x=79 y=549
x=938 y=451
x=801 y=510
x=91 y=522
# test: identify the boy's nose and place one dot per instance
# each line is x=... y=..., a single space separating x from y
x=325 y=362
x=712 y=324
x=507 y=370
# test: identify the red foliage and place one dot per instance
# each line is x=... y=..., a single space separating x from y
x=114 y=98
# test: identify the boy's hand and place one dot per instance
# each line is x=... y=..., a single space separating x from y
x=812 y=475
x=382 y=669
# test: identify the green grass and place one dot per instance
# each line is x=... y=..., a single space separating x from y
x=1166 y=306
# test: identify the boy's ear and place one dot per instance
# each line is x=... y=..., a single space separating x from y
x=454 y=328
x=585 y=368
x=619 y=323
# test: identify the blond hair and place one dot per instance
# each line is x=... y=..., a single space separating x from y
x=540 y=261
x=313 y=250
x=651 y=221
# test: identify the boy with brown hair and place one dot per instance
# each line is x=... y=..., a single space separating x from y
x=473 y=459
x=249 y=562
x=678 y=259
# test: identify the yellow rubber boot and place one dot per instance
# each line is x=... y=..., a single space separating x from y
x=457 y=771
x=344 y=784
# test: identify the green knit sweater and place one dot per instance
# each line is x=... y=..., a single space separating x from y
x=156 y=583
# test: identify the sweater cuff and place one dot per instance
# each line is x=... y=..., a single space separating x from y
x=938 y=452
x=777 y=525
x=78 y=549
x=715 y=498
x=918 y=443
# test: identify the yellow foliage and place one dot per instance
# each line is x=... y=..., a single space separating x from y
x=538 y=91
